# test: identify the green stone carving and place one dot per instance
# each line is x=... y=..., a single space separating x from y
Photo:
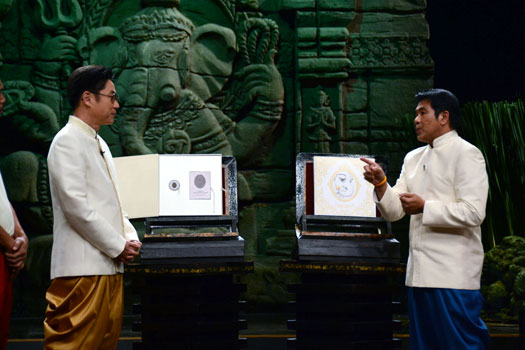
x=26 y=131
x=257 y=79
x=390 y=52
x=5 y=6
x=57 y=16
x=170 y=74
x=270 y=237
x=321 y=123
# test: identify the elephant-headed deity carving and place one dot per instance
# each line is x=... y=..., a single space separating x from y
x=182 y=93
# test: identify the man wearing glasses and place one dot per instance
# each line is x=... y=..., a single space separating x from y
x=92 y=236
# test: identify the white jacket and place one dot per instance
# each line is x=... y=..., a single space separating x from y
x=90 y=227
x=445 y=240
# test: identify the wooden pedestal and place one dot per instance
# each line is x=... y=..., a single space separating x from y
x=344 y=305
x=192 y=305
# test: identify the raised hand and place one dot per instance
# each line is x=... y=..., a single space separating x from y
x=373 y=172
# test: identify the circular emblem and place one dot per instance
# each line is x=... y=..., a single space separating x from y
x=174 y=185
x=199 y=181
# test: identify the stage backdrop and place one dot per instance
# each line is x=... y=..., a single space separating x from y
x=257 y=79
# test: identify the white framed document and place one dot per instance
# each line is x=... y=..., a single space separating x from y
x=340 y=188
x=170 y=185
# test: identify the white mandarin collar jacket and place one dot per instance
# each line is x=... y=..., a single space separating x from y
x=445 y=240
x=90 y=227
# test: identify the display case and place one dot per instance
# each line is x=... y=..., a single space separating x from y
x=190 y=260
x=348 y=259
x=329 y=232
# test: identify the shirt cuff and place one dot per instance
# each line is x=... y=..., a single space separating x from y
x=432 y=213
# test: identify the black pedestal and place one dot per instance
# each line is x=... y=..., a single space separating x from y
x=190 y=305
x=344 y=305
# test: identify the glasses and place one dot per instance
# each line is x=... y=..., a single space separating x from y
x=113 y=96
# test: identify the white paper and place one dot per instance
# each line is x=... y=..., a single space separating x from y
x=170 y=185
x=138 y=178
x=189 y=199
x=340 y=188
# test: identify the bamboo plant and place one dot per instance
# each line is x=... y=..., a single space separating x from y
x=498 y=130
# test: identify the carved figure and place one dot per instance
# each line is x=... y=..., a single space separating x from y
x=172 y=76
x=321 y=122
x=57 y=19
x=28 y=125
x=27 y=129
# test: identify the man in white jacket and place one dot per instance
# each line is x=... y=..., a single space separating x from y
x=444 y=187
x=92 y=236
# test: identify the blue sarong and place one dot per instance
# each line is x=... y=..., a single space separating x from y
x=446 y=319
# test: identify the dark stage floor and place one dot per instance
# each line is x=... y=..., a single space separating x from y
x=266 y=331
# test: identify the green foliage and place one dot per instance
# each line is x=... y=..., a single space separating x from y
x=503 y=280
x=498 y=130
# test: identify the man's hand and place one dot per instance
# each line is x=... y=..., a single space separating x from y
x=16 y=257
x=375 y=175
x=412 y=203
x=131 y=250
x=373 y=172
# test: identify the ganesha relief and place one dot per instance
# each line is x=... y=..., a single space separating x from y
x=182 y=93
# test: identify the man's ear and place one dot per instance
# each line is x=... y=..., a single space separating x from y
x=86 y=98
x=444 y=118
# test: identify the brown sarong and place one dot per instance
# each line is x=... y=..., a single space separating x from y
x=83 y=313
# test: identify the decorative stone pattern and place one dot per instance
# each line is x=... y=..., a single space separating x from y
x=389 y=52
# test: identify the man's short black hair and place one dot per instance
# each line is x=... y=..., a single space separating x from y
x=87 y=78
x=443 y=100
